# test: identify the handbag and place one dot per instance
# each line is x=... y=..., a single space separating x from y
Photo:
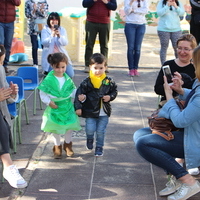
x=163 y=126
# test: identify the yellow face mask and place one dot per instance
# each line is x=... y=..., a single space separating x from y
x=96 y=80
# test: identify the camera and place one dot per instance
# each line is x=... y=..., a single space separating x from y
x=167 y=73
x=56 y=27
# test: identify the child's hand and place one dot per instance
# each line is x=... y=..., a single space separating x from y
x=81 y=97
x=79 y=112
x=106 y=98
x=53 y=105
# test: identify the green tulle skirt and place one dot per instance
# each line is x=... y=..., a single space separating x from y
x=61 y=119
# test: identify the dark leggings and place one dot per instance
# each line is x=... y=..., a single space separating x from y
x=5 y=136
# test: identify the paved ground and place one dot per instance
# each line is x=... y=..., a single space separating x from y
x=121 y=174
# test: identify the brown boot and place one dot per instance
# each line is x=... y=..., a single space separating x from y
x=68 y=149
x=57 y=150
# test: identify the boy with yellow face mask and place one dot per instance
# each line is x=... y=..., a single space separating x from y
x=92 y=102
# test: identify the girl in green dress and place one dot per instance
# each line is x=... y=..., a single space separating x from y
x=59 y=118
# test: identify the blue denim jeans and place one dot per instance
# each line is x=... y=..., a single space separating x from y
x=134 y=36
x=97 y=125
x=161 y=152
x=6 y=37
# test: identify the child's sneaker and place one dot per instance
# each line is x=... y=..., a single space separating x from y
x=98 y=151
x=89 y=144
x=12 y=175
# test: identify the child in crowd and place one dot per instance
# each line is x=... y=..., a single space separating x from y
x=59 y=118
x=92 y=101
x=8 y=94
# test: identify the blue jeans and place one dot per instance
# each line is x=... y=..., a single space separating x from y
x=97 y=125
x=134 y=36
x=161 y=152
x=6 y=37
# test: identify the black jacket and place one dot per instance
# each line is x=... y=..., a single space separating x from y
x=91 y=106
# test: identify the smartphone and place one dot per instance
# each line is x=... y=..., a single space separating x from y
x=56 y=27
x=167 y=73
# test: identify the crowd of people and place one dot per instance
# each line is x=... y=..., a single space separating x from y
x=92 y=98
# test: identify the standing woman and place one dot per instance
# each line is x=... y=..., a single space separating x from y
x=36 y=12
x=195 y=19
x=54 y=40
x=135 y=11
x=169 y=28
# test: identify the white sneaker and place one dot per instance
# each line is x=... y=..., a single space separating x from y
x=36 y=66
x=172 y=185
x=193 y=171
x=11 y=174
x=185 y=192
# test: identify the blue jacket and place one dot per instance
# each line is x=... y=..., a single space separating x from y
x=189 y=119
x=169 y=20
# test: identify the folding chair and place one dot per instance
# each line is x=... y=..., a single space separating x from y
x=21 y=100
x=31 y=82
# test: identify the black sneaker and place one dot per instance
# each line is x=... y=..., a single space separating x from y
x=98 y=151
x=89 y=144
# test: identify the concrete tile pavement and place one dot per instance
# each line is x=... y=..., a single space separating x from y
x=121 y=174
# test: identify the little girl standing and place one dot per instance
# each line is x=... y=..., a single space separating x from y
x=59 y=118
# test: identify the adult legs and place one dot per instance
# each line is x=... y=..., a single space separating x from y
x=6 y=160
x=91 y=30
x=164 y=43
x=174 y=36
x=140 y=133
x=130 y=30
x=195 y=30
x=6 y=31
x=104 y=33
x=34 y=42
x=161 y=152
x=10 y=172
x=139 y=35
